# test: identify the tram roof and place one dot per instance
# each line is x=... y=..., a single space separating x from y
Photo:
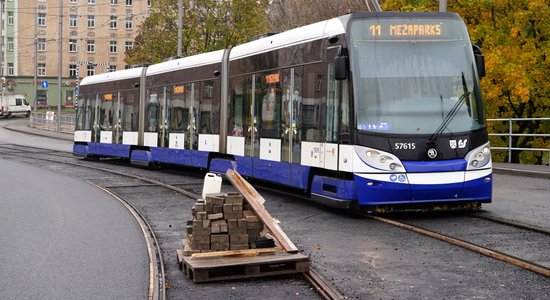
x=112 y=76
x=288 y=38
x=186 y=62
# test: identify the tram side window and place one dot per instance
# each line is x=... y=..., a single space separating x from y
x=239 y=106
x=209 y=109
x=84 y=115
x=152 y=111
x=178 y=114
x=106 y=112
x=313 y=101
x=92 y=110
x=131 y=111
x=268 y=104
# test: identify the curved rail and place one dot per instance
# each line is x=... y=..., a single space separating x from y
x=470 y=246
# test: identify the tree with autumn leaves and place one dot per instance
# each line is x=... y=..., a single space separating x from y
x=208 y=25
x=515 y=38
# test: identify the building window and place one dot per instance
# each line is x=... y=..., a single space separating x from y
x=129 y=45
x=72 y=45
x=112 y=68
x=41 y=44
x=90 y=46
x=114 y=23
x=41 y=69
x=91 y=1
x=72 y=1
x=129 y=23
x=129 y=2
x=148 y=2
x=90 y=70
x=72 y=20
x=10 y=69
x=114 y=2
x=91 y=21
x=41 y=19
x=112 y=46
x=10 y=44
x=72 y=70
x=10 y=17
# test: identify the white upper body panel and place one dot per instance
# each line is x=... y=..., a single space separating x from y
x=112 y=76
x=300 y=35
x=186 y=62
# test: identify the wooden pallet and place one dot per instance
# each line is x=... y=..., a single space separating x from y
x=205 y=269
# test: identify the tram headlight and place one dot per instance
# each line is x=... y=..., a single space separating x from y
x=379 y=160
x=479 y=157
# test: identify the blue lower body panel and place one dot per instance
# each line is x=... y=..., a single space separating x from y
x=221 y=165
x=80 y=150
x=110 y=150
x=337 y=189
x=393 y=189
x=378 y=192
x=480 y=189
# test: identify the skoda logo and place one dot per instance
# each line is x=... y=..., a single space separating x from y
x=432 y=153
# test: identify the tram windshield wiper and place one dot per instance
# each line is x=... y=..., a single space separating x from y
x=452 y=113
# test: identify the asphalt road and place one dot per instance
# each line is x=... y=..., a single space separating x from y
x=54 y=245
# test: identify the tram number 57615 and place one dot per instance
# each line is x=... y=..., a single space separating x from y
x=405 y=146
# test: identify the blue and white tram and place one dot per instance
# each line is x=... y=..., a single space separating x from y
x=368 y=109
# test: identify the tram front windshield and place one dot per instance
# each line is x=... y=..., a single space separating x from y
x=410 y=74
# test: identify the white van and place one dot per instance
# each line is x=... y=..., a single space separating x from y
x=13 y=104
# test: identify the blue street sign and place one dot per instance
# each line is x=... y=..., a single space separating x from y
x=44 y=84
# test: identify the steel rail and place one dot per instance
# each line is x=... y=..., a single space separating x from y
x=470 y=246
x=157 y=279
x=512 y=223
x=321 y=285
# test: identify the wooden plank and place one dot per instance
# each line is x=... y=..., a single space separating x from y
x=213 y=262
x=255 y=200
x=247 y=252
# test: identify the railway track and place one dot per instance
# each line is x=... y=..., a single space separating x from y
x=158 y=281
x=523 y=263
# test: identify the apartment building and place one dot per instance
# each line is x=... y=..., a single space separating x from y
x=95 y=37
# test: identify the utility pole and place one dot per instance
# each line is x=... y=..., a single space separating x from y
x=442 y=5
x=35 y=59
x=59 y=65
x=180 y=25
x=2 y=41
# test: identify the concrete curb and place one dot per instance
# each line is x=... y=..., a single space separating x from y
x=45 y=134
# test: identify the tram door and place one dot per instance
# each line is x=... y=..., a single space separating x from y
x=290 y=121
x=95 y=100
x=164 y=118
x=117 y=119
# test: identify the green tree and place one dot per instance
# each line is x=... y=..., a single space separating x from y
x=515 y=38
x=207 y=25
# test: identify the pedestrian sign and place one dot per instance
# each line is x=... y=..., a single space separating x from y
x=44 y=84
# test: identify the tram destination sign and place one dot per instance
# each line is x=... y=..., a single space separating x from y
x=406 y=29
x=396 y=29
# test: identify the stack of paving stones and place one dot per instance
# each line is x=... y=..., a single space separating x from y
x=221 y=222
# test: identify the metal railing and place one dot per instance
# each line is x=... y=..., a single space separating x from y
x=48 y=121
x=510 y=134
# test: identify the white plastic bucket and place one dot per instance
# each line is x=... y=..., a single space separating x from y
x=212 y=184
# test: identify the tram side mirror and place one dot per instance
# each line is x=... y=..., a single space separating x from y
x=480 y=61
x=340 y=67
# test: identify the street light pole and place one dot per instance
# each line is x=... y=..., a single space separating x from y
x=59 y=65
x=180 y=25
